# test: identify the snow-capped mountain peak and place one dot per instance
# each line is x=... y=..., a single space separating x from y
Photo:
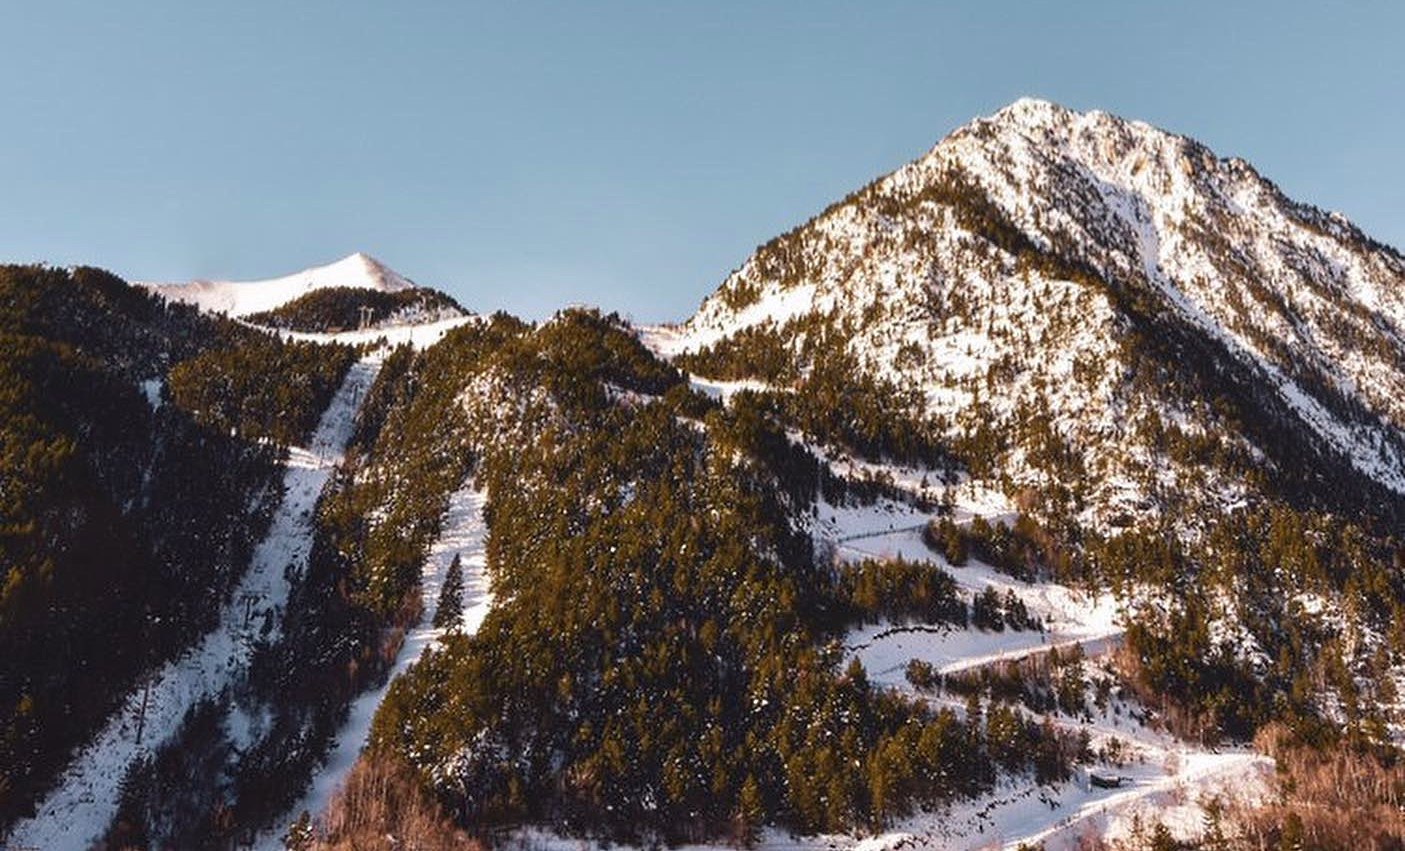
x=1032 y=259
x=375 y=274
x=241 y=298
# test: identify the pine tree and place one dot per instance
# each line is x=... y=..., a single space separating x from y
x=450 y=611
x=1213 y=833
x=954 y=544
x=749 y=814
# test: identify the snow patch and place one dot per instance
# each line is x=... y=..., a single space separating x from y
x=151 y=389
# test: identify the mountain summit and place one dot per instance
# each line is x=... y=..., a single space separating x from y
x=242 y=298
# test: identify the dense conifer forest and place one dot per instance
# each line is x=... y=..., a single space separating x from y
x=652 y=674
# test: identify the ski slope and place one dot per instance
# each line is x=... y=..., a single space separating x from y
x=83 y=803
x=463 y=533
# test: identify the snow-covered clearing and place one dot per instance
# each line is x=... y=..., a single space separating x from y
x=1172 y=794
x=889 y=529
x=463 y=533
x=1166 y=777
x=723 y=391
x=419 y=336
x=1057 y=818
x=82 y=805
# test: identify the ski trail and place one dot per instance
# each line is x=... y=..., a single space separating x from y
x=463 y=532
x=81 y=807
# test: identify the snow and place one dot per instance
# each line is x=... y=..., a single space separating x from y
x=774 y=307
x=1168 y=785
x=241 y=298
x=83 y=803
x=1355 y=444
x=463 y=533
x=1160 y=206
x=885 y=649
x=419 y=336
x=723 y=391
x=151 y=389
x=1171 y=794
x=1300 y=298
x=1167 y=780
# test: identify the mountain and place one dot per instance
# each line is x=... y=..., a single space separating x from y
x=241 y=298
x=1046 y=492
x=1098 y=286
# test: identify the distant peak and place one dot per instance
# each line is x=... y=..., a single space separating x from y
x=364 y=259
x=359 y=259
x=241 y=298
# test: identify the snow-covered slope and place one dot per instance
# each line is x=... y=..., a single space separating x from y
x=241 y=298
x=1105 y=282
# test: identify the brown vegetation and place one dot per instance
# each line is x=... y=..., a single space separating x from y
x=382 y=805
x=1329 y=798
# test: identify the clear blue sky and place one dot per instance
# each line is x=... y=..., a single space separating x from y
x=524 y=155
